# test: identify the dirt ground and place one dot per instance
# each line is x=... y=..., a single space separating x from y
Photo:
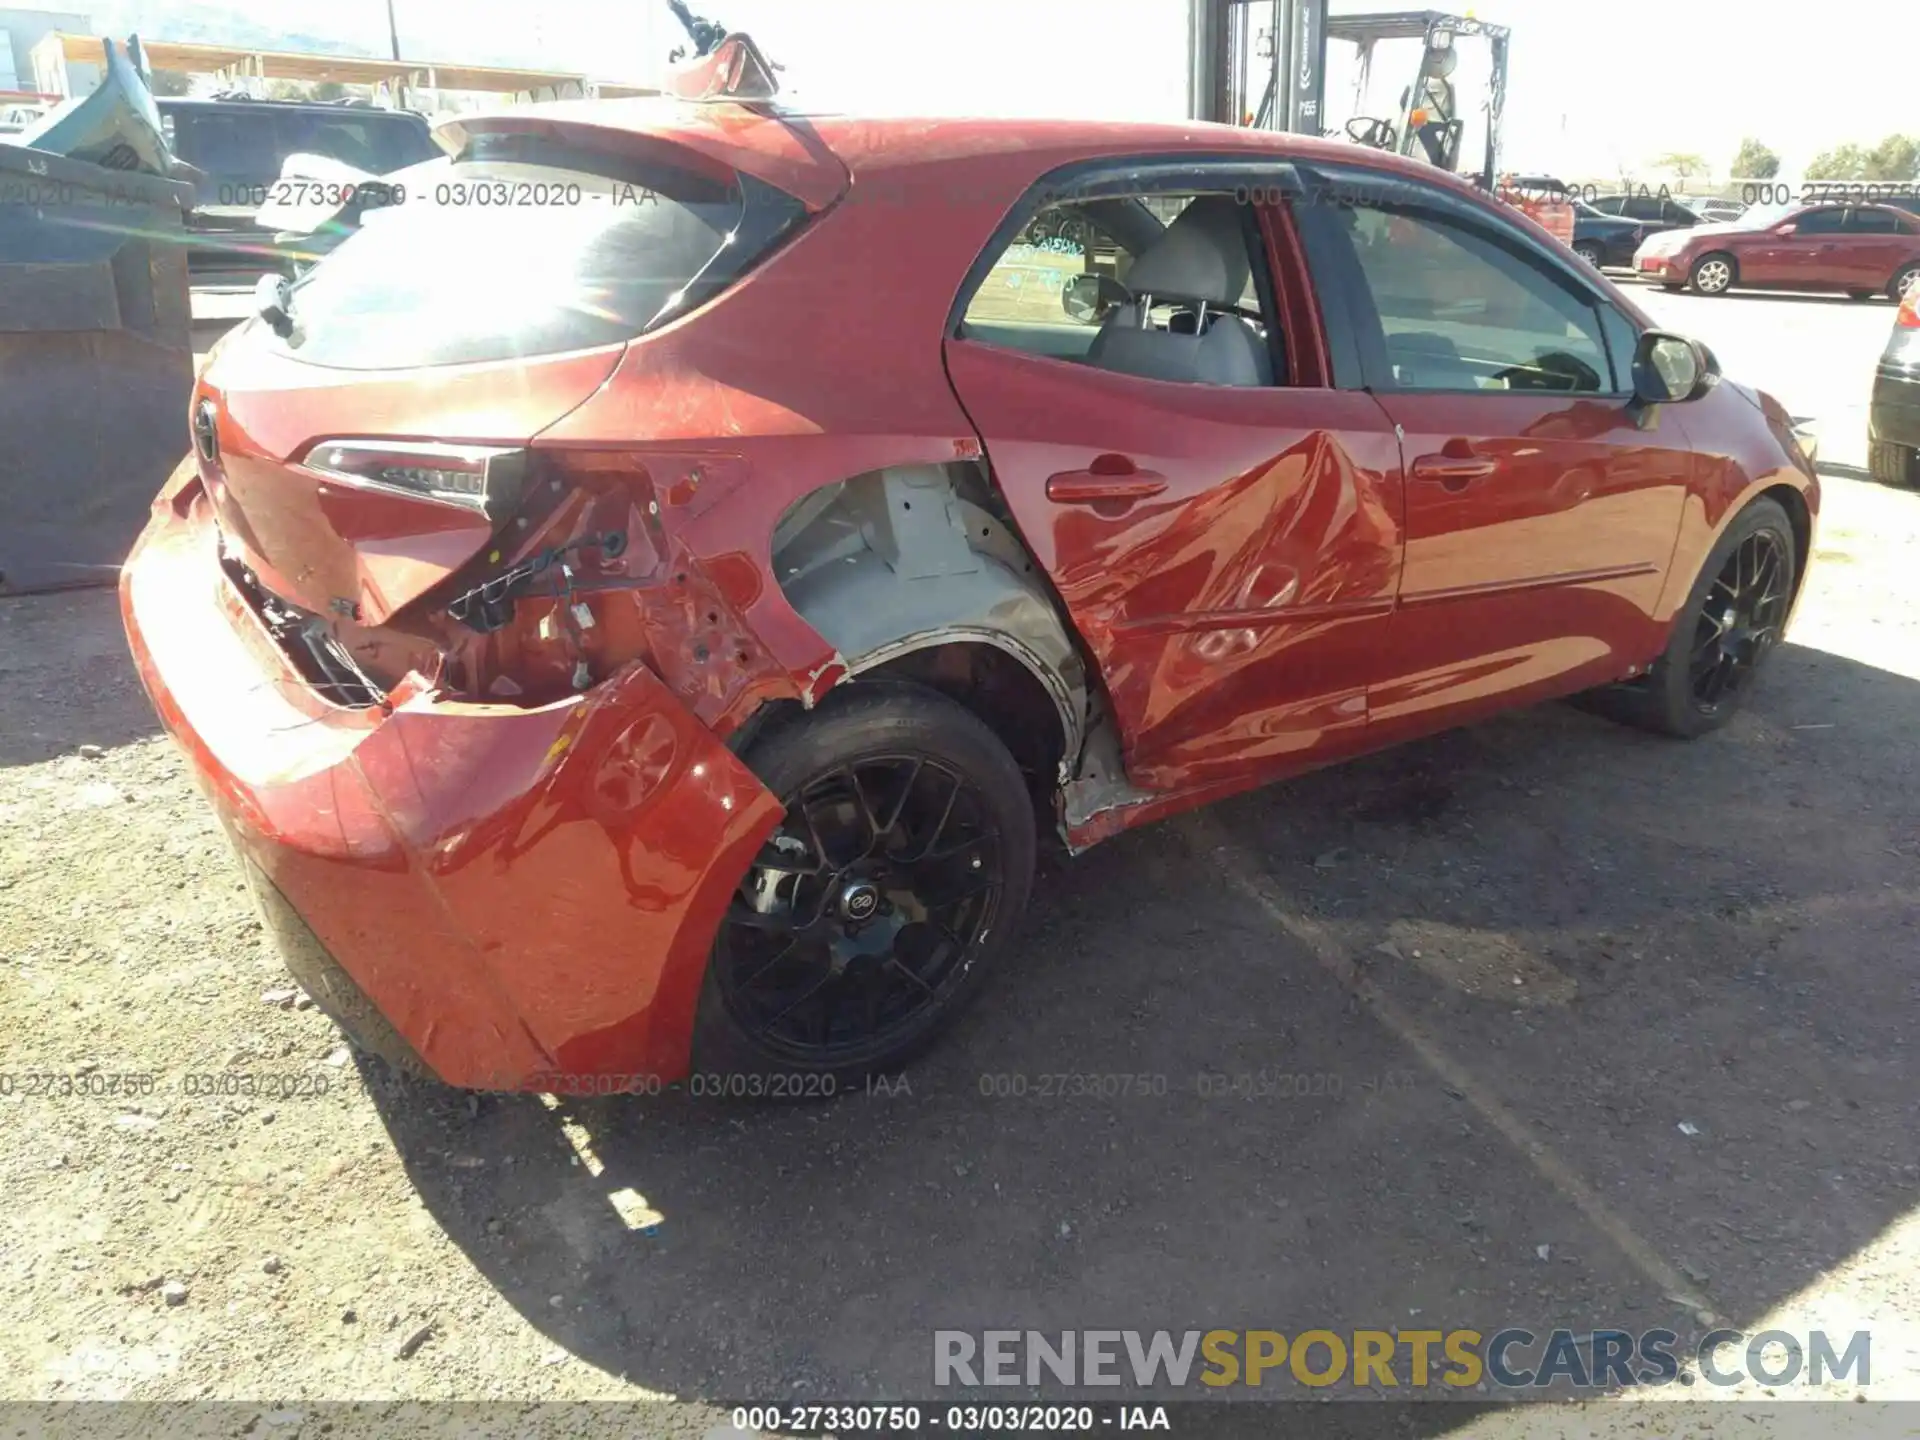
x=1599 y=1030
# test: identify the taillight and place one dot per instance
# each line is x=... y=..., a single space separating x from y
x=480 y=478
x=1909 y=318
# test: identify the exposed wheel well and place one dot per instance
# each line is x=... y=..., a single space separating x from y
x=1001 y=691
x=918 y=573
x=1795 y=504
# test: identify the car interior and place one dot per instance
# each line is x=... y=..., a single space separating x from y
x=1457 y=313
x=1190 y=310
x=1178 y=300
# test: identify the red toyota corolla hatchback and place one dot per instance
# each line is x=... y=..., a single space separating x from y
x=632 y=605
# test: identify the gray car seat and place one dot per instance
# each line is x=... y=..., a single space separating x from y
x=1200 y=258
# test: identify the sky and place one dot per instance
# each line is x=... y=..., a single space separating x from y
x=1593 y=90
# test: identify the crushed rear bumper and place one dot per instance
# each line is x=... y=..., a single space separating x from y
x=511 y=898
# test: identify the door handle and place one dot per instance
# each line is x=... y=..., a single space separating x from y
x=1454 y=472
x=1109 y=478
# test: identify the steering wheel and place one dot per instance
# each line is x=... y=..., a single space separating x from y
x=1376 y=133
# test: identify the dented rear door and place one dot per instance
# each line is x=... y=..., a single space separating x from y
x=1228 y=554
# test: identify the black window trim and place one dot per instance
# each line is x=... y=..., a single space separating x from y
x=1383 y=189
x=1115 y=177
x=1840 y=226
x=1893 y=217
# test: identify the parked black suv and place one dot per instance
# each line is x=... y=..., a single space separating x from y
x=240 y=145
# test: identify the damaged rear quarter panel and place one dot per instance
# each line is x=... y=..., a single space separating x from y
x=824 y=365
x=589 y=877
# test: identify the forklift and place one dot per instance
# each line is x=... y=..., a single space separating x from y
x=1263 y=64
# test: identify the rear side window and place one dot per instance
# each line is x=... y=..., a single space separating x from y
x=376 y=143
x=235 y=146
x=1872 y=222
x=1193 y=260
x=523 y=247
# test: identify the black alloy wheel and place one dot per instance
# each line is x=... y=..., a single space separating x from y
x=1740 y=621
x=1733 y=621
x=866 y=920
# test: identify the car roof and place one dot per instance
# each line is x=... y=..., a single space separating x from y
x=318 y=107
x=1011 y=151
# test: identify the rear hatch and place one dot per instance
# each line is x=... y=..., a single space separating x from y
x=379 y=437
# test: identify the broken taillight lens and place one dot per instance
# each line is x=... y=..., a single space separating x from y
x=488 y=480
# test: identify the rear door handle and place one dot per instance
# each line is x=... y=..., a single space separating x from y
x=1105 y=480
x=1454 y=472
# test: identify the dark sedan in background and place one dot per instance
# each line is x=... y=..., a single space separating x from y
x=1893 y=421
x=1609 y=230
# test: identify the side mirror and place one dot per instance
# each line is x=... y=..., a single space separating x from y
x=1089 y=297
x=1670 y=369
x=1786 y=227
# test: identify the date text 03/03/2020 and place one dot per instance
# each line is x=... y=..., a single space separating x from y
x=958 y=1419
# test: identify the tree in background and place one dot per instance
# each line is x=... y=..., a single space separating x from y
x=1847 y=162
x=171 y=82
x=1685 y=164
x=1754 y=161
x=1895 y=158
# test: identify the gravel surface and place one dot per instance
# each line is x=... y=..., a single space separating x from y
x=1595 y=1029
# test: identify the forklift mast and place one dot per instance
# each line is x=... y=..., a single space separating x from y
x=1263 y=63
x=1258 y=62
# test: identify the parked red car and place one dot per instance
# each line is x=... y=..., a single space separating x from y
x=629 y=607
x=1865 y=250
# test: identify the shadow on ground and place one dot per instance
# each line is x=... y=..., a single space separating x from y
x=1613 y=934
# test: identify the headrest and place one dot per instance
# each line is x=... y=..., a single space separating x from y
x=1202 y=255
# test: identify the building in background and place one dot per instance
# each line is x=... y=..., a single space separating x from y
x=69 y=63
x=20 y=31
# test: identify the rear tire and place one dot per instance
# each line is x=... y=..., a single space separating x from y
x=1733 y=620
x=1893 y=464
x=1713 y=274
x=871 y=918
x=1588 y=252
x=1903 y=283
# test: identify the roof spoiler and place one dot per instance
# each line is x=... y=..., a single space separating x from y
x=736 y=71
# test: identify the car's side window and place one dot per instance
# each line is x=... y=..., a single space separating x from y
x=1821 y=222
x=236 y=147
x=1871 y=222
x=1030 y=279
x=1164 y=286
x=1458 y=310
x=1643 y=207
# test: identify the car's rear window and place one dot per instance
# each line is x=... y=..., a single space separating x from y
x=366 y=139
x=520 y=247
